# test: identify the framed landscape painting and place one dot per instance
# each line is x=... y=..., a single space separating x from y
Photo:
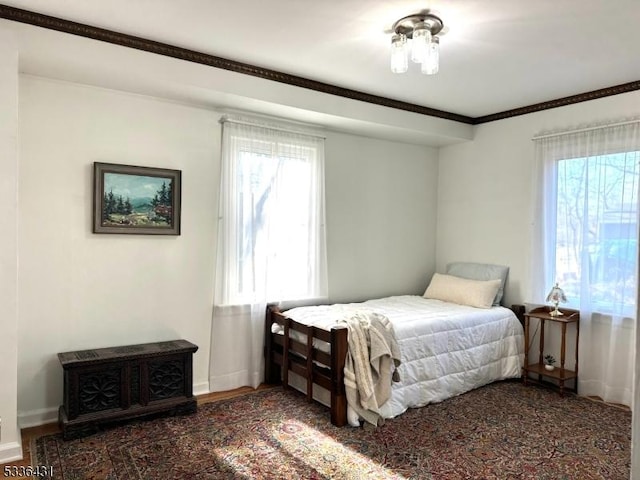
x=137 y=200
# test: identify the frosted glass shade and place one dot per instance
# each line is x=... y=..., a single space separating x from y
x=431 y=65
x=421 y=42
x=399 y=61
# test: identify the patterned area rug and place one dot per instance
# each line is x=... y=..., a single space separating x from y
x=501 y=431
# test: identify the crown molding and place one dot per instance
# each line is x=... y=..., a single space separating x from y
x=560 y=102
x=159 y=48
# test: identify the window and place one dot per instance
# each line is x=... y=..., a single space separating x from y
x=596 y=241
x=273 y=215
x=586 y=238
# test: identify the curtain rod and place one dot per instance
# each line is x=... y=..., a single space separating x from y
x=270 y=127
x=587 y=129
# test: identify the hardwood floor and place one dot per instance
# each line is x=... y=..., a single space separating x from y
x=29 y=434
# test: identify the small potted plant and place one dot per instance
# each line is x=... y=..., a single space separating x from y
x=549 y=361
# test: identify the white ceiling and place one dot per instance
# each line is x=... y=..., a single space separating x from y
x=495 y=55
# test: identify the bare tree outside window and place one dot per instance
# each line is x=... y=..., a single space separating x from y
x=597 y=214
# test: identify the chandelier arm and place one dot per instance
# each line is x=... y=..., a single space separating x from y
x=406 y=24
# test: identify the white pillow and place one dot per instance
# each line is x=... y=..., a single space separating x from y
x=480 y=271
x=475 y=293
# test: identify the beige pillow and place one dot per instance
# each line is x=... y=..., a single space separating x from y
x=475 y=293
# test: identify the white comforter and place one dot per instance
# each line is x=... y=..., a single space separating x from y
x=446 y=349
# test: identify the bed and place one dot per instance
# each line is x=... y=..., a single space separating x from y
x=447 y=346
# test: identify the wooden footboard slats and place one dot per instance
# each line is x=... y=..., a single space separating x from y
x=302 y=358
x=321 y=375
x=300 y=349
x=285 y=352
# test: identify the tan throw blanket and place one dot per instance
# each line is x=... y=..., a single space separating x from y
x=371 y=364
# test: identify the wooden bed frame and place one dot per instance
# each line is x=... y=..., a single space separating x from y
x=283 y=354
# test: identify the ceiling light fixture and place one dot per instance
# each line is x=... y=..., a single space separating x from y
x=422 y=29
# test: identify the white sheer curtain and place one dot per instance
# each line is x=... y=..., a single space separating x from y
x=271 y=240
x=586 y=238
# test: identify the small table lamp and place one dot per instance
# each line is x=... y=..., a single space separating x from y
x=556 y=295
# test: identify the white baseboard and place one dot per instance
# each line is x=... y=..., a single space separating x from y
x=201 y=388
x=35 y=418
x=10 y=452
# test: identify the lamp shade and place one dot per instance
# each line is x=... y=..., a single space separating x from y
x=556 y=295
x=421 y=42
x=431 y=65
x=399 y=61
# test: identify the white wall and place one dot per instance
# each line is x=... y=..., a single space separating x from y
x=81 y=290
x=485 y=200
x=10 y=444
x=381 y=215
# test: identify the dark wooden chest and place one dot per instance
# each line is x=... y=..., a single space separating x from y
x=106 y=385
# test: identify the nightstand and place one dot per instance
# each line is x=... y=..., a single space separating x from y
x=560 y=374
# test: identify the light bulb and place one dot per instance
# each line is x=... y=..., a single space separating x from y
x=399 y=62
x=431 y=65
x=421 y=42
